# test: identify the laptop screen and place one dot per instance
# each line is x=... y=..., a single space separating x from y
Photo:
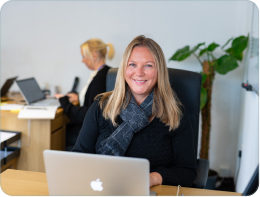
x=7 y=85
x=30 y=90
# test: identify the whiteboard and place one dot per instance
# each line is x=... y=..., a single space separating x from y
x=252 y=70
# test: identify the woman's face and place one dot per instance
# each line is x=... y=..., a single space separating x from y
x=88 y=61
x=141 y=73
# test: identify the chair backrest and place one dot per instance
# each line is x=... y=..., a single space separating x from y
x=186 y=85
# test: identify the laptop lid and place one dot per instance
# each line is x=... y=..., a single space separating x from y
x=30 y=90
x=8 y=83
x=70 y=173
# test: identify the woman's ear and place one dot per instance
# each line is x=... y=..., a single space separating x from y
x=95 y=56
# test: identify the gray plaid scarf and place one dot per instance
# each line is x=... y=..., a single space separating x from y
x=135 y=119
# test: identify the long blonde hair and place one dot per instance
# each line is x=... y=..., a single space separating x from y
x=166 y=105
x=98 y=46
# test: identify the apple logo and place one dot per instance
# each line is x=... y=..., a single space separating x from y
x=96 y=185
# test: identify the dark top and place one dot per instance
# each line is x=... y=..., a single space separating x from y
x=97 y=86
x=171 y=154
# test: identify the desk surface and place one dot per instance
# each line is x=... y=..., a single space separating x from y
x=36 y=135
x=17 y=182
x=17 y=98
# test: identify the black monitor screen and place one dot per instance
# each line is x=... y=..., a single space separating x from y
x=31 y=90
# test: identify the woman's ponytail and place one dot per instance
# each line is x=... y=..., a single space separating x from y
x=111 y=51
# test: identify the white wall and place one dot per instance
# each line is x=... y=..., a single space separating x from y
x=42 y=39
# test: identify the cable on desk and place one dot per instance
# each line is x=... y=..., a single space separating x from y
x=178 y=190
x=29 y=132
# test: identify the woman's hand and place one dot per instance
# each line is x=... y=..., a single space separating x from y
x=57 y=96
x=155 y=179
x=73 y=97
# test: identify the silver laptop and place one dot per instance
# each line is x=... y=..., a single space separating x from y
x=70 y=173
x=33 y=94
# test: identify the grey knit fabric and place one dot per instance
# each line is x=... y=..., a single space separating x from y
x=135 y=119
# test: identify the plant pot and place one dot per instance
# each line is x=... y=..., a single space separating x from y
x=212 y=179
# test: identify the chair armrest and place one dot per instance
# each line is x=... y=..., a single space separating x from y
x=202 y=173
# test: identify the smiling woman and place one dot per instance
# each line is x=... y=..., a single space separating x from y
x=165 y=106
x=141 y=73
x=142 y=118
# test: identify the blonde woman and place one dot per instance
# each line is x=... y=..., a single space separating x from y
x=143 y=118
x=94 y=52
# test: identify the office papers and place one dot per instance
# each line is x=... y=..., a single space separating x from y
x=38 y=112
x=6 y=135
x=11 y=107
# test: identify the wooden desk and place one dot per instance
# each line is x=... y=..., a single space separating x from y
x=25 y=183
x=44 y=134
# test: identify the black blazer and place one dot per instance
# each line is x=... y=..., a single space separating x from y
x=98 y=85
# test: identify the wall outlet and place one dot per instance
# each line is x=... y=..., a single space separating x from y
x=224 y=171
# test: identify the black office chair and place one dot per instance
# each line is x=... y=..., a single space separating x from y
x=186 y=85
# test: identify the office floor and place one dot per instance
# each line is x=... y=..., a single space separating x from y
x=226 y=184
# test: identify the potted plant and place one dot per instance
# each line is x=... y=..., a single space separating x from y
x=210 y=66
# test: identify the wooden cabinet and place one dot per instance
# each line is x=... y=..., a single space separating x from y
x=57 y=140
x=43 y=134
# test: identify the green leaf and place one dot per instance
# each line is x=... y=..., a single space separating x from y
x=239 y=57
x=203 y=97
x=231 y=52
x=215 y=63
x=203 y=51
x=204 y=77
x=239 y=44
x=181 y=54
x=196 y=47
x=226 y=63
x=226 y=43
x=212 y=46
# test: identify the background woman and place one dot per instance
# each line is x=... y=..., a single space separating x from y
x=142 y=118
x=94 y=53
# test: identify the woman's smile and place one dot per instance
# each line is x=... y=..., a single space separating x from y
x=139 y=82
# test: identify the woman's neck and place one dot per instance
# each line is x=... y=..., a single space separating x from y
x=139 y=98
x=99 y=63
